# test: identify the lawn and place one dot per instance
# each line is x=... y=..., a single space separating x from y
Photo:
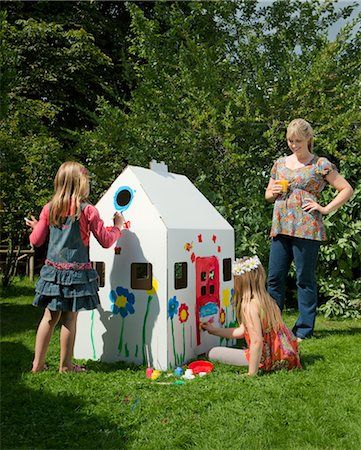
x=114 y=406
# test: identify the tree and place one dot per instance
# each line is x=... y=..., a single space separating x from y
x=30 y=148
x=218 y=83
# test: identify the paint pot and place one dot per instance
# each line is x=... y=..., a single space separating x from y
x=155 y=375
x=178 y=371
x=149 y=372
x=200 y=366
x=188 y=375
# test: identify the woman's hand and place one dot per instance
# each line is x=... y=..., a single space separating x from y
x=311 y=205
x=276 y=189
x=273 y=190
x=31 y=222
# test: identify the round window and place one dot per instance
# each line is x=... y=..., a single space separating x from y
x=123 y=198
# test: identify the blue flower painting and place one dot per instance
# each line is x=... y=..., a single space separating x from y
x=123 y=301
x=123 y=304
x=172 y=307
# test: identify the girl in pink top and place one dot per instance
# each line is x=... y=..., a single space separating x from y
x=67 y=282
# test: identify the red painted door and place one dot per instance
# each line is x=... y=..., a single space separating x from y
x=207 y=291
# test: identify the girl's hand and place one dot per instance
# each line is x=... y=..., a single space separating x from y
x=209 y=328
x=31 y=222
x=311 y=205
x=118 y=220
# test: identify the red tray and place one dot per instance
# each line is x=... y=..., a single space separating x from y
x=200 y=366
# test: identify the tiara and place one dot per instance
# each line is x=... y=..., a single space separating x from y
x=243 y=265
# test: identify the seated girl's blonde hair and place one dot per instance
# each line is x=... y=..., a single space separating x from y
x=71 y=187
x=251 y=286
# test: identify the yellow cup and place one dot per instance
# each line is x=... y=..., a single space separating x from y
x=284 y=184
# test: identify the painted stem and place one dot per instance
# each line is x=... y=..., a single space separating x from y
x=174 y=352
x=184 y=346
x=144 y=328
x=92 y=336
x=120 y=346
x=227 y=325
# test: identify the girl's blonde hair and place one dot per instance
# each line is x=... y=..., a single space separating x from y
x=302 y=129
x=71 y=187
x=251 y=286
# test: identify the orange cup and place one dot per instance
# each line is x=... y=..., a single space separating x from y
x=284 y=184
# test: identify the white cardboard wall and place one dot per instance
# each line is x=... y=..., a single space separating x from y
x=169 y=222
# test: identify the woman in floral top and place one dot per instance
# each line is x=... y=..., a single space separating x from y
x=297 y=225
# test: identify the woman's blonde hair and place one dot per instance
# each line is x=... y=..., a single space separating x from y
x=71 y=187
x=301 y=129
x=251 y=286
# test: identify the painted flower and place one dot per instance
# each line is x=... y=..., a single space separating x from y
x=183 y=313
x=123 y=301
x=226 y=298
x=232 y=296
x=154 y=287
x=222 y=316
x=172 y=307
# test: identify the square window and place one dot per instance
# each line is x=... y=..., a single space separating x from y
x=211 y=275
x=227 y=269
x=211 y=289
x=100 y=268
x=180 y=275
x=141 y=276
x=203 y=276
x=203 y=290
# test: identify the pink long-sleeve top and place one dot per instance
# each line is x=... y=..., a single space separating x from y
x=90 y=221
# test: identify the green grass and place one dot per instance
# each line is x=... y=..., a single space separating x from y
x=114 y=406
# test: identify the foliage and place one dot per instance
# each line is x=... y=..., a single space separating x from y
x=107 y=23
x=210 y=87
x=216 y=87
x=344 y=298
x=59 y=64
x=114 y=406
x=30 y=152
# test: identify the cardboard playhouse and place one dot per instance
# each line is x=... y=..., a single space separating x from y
x=169 y=271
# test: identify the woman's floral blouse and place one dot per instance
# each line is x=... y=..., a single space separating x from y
x=305 y=182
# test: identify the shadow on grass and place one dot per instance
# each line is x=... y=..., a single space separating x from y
x=21 y=288
x=309 y=360
x=100 y=366
x=34 y=418
x=322 y=334
x=17 y=318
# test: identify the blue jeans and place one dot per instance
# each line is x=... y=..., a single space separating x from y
x=304 y=252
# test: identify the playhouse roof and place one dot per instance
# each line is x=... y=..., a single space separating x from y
x=179 y=203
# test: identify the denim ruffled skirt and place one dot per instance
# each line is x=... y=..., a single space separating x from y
x=67 y=290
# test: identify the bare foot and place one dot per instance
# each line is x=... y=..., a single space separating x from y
x=37 y=369
x=299 y=340
x=74 y=368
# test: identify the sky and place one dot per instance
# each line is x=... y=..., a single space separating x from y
x=334 y=29
x=338 y=25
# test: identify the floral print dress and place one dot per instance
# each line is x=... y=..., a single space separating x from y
x=306 y=182
x=280 y=348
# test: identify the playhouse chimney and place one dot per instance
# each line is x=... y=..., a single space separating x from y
x=160 y=168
